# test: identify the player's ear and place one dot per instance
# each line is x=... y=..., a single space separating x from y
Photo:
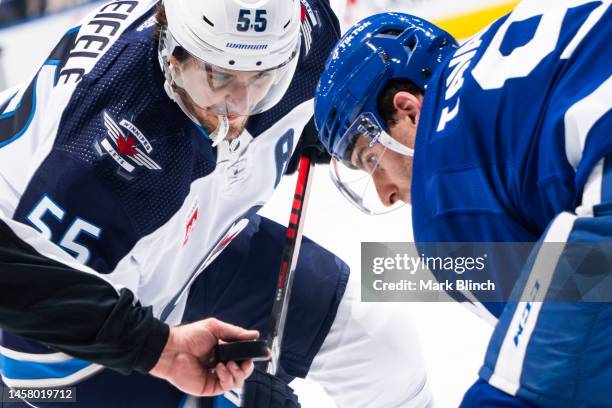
x=174 y=65
x=407 y=105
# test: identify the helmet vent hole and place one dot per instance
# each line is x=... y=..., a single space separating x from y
x=333 y=113
x=335 y=123
x=426 y=73
x=391 y=31
x=258 y=63
x=411 y=43
x=232 y=62
x=210 y=23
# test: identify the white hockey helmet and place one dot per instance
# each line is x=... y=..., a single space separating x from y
x=233 y=57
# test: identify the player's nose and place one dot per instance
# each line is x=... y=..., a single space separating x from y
x=388 y=192
x=237 y=98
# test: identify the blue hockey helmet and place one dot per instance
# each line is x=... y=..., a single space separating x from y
x=374 y=51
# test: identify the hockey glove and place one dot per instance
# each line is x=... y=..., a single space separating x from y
x=308 y=142
x=263 y=390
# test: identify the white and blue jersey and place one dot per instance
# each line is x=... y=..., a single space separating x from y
x=514 y=144
x=97 y=158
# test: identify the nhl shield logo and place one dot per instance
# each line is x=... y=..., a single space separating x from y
x=126 y=145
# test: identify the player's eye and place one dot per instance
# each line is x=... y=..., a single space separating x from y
x=371 y=161
x=220 y=76
x=219 y=79
x=366 y=160
x=261 y=77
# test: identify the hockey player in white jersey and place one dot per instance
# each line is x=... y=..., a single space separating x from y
x=144 y=146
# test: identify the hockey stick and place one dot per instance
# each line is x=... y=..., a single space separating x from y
x=290 y=255
x=291 y=251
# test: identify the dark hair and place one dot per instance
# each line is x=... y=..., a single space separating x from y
x=385 y=99
x=161 y=21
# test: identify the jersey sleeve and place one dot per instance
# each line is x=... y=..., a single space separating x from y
x=475 y=232
x=560 y=321
x=560 y=315
x=75 y=311
x=482 y=394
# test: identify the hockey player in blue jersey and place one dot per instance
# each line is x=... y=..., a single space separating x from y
x=507 y=138
x=144 y=146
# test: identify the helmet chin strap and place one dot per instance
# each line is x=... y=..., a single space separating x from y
x=221 y=131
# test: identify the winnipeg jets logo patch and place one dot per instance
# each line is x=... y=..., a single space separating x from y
x=127 y=146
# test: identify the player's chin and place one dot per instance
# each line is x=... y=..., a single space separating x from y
x=237 y=126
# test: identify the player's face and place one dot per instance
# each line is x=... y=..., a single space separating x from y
x=371 y=167
x=393 y=176
x=228 y=92
x=209 y=91
x=391 y=172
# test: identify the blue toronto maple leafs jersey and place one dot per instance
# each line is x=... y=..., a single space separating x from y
x=99 y=160
x=512 y=126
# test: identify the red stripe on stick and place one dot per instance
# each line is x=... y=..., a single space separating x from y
x=283 y=274
x=291 y=233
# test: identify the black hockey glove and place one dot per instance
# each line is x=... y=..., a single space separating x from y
x=308 y=142
x=263 y=390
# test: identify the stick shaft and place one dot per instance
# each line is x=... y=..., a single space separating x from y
x=291 y=251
